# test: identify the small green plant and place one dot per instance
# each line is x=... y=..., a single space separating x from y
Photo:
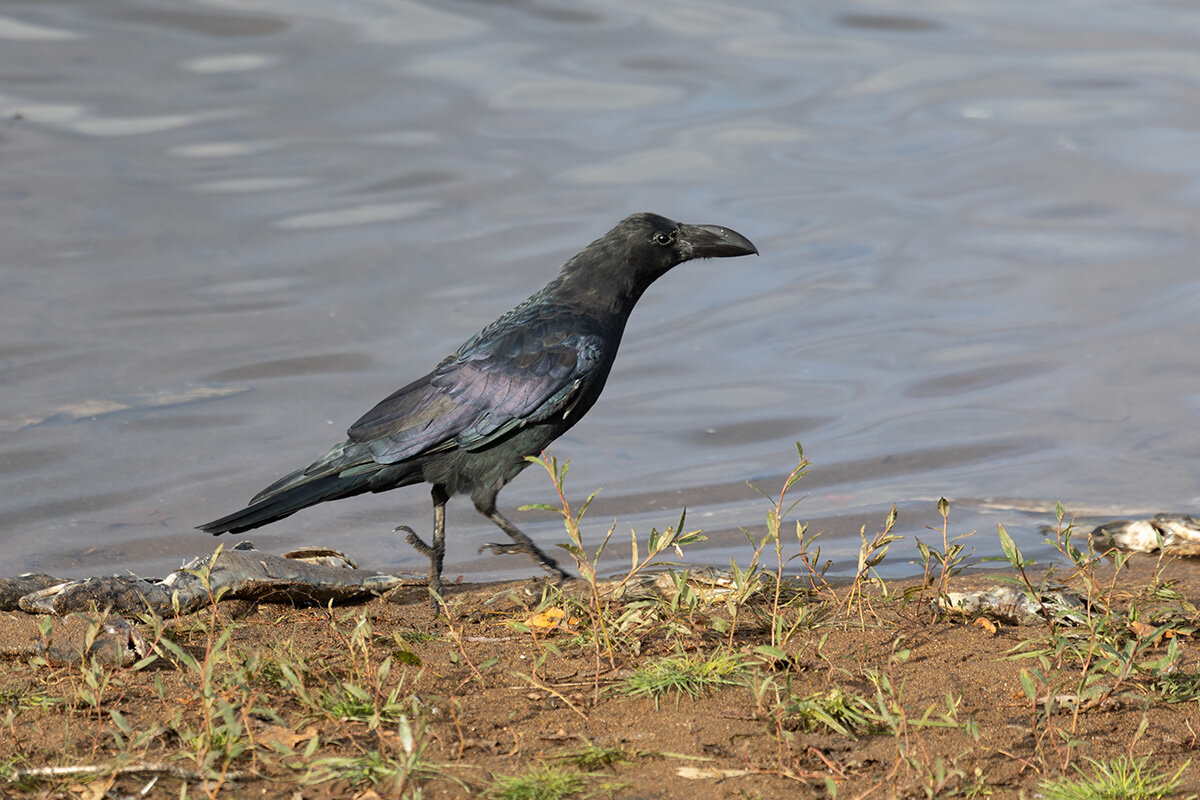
x=839 y=711
x=547 y=782
x=1119 y=778
x=749 y=583
x=1178 y=687
x=128 y=739
x=371 y=701
x=683 y=675
x=397 y=771
x=222 y=736
x=413 y=636
x=1023 y=579
x=942 y=565
x=1113 y=654
x=871 y=553
x=600 y=605
x=594 y=757
x=21 y=701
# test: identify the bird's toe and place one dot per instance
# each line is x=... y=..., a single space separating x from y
x=416 y=541
x=504 y=549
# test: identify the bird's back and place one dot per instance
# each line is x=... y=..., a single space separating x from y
x=536 y=363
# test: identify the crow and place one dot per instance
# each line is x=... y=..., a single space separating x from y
x=508 y=392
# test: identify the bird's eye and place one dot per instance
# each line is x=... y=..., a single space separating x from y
x=664 y=238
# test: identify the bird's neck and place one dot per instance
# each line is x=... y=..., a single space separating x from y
x=601 y=292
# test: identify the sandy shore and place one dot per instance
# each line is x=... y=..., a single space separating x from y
x=863 y=690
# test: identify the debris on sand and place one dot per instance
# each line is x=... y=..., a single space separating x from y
x=309 y=575
x=1172 y=534
x=1013 y=605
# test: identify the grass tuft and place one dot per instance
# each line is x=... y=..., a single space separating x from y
x=547 y=782
x=593 y=757
x=1178 y=687
x=683 y=675
x=1120 y=778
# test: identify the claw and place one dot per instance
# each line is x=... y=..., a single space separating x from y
x=512 y=548
x=416 y=541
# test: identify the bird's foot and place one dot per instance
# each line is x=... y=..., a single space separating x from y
x=416 y=541
x=436 y=588
x=510 y=548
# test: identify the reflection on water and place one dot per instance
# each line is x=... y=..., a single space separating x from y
x=232 y=226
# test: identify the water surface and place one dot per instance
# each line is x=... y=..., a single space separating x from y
x=229 y=228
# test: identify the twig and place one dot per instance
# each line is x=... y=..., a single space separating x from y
x=539 y=685
x=145 y=768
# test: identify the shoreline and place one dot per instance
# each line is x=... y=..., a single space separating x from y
x=853 y=689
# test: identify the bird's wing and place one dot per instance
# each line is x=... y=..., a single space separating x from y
x=512 y=376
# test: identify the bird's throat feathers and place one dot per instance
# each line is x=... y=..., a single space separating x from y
x=605 y=282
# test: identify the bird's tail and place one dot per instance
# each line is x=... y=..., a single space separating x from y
x=334 y=476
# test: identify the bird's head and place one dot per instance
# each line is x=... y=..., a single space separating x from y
x=659 y=240
x=642 y=247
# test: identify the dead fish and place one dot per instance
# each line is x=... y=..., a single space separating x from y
x=1173 y=534
x=104 y=638
x=241 y=573
x=1013 y=605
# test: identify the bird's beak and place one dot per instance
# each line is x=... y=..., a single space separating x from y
x=713 y=241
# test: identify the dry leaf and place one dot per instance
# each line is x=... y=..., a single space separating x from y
x=277 y=734
x=1141 y=629
x=551 y=618
x=97 y=790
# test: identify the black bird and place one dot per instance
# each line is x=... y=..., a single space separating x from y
x=507 y=393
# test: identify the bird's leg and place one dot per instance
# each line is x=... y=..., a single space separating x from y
x=436 y=552
x=520 y=543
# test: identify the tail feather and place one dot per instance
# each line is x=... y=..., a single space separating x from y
x=335 y=475
x=268 y=508
x=333 y=464
x=344 y=471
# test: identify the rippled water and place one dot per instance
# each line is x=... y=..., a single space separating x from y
x=228 y=228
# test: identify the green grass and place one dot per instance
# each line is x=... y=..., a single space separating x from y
x=1178 y=687
x=1120 y=778
x=683 y=675
x=413 y=636
x=592 y=757
x=546 y=782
